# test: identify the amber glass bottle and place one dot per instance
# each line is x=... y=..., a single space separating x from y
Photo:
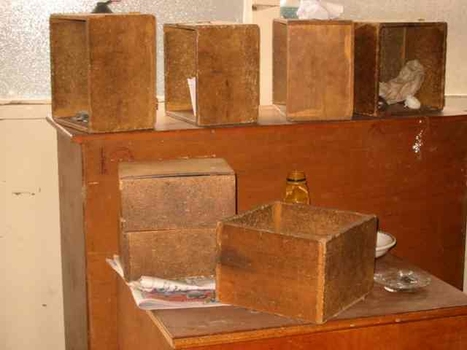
x=296 y=190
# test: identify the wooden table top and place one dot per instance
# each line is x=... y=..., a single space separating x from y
x=268 y=116
x=207 y=326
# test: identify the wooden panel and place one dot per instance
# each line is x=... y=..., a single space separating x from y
x=169 y=253
x=180 y=64
x=69 y=55
x=135 y=328
x=228 y=63
x=72 y=244
x=428 y=45
x=439 y=334
x=123 y=94
x=319 y=69
x=366 y=82
x=189 y=193
x=280 y=63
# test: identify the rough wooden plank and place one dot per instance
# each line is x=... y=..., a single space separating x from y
x=170 y=254
x=74 y=272
x=319 y=69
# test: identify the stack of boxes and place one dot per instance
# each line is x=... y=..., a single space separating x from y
x=293 y=260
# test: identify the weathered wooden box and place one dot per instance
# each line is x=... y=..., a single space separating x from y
x=296 y=260
x=223 y=59
x=382 y=49
x=169 y=212
x=103 y=71
x=313 y=69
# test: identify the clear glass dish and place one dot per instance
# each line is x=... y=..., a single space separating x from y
x=397 y=280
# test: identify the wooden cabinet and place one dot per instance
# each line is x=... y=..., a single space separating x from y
x=409 y=172
x=432 y=318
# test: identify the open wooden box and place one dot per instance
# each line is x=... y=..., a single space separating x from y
x=313 y=69
x=296 y=260
x=382 y=49
x=103 y=71
x=222 y=59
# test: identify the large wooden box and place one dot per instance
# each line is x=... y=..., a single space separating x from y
x=103 y=71
x=169 y=212
x=313 y=69
x=382 y=49
x=223 y=59
x=296 y=260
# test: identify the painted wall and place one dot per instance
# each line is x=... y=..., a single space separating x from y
x=30 y=272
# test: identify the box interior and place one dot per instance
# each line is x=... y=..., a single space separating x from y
x=298 y=220
x=70 y=81
x=279 y=92
x=400 y=44
x=180 y=65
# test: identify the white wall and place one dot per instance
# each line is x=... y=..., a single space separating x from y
x=30 y=272
x=31 y=314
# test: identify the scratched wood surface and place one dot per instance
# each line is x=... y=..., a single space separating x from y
x=410 y=172
x=383 y=321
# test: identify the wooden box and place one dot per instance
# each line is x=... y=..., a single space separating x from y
x=169 y=212
x=223 y=59
x=103 y=71
x=313 y=67
x=382 y=49
x=296 y=260
x=172 y=253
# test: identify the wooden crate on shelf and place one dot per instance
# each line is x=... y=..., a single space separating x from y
x=296 y=260
x=223 y=61
x=169 y=212
x=383 y=48
x=313 y=67
x=103 y=71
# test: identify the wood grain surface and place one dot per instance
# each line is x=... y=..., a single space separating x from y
x=104 y=66
x=316 y=69
x=410 y=172
x=382 y=321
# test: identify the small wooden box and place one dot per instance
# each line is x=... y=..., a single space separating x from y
x=313 y=67
x=296 y=260
x=103 y=71
x=173 y=253
x=169 y=212
x=382 y=49
x=223 y=58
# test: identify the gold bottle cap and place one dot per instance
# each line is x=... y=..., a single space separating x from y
x=296 y=176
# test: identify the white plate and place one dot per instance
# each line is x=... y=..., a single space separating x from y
x=384 y=242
